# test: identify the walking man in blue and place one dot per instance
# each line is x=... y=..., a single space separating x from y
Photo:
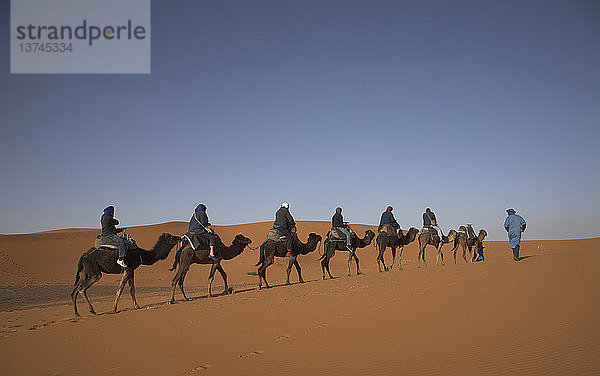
x=514 y=225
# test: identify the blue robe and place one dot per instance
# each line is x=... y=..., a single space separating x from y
x=514 y=222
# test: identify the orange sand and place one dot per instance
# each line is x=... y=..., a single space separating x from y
x=539 y=316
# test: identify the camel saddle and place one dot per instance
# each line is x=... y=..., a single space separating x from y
x=336 y=235
x=432 y=232
x=196 y=241
x=131 y=244
x=389 y=230
x=275 y=235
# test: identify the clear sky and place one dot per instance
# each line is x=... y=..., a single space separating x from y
x=467 y=107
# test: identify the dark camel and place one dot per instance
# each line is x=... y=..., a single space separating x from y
x=186 y=256
x=96 y=261
x=330 y=246
x=432 y=238
x=384 y=240
x=467 y=243
x=270 y=249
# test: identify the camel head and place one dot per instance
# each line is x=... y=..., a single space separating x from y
x=482 y=235
x=164 y=244
x=312 y=239
x=452 y=235
x=369 y=235
x=412 y=234
x=242 y=240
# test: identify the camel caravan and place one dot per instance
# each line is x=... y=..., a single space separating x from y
x=119 y=254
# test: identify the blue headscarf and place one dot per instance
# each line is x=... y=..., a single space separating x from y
x=428 y=210
x=109 y=210
x=511 y=211
x=201 y=207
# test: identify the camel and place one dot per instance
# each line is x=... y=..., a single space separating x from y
x=467 y=242
x=384 y=240
x=330 y=246
x=186 y=256
x=100 y=260
x=270 y=249
x=430 y=237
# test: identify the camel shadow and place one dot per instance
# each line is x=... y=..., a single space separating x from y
x=283 y=284
x=525 y=257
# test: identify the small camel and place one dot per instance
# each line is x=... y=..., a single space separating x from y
x=330 y=246
x=100 y=260
x=467 y=242
x=431 y=237
x=270 y=249
x=186 y=256
x=384 y=240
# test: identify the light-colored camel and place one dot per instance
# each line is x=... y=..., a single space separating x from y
x=429 y=236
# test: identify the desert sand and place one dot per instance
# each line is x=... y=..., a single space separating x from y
x=538 y=316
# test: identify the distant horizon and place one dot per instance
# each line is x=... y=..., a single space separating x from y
x=250 y=223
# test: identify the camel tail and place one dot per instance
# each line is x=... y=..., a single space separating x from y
x=178 y=255
x=262 y=255
x=324 y=252
x=80 y=267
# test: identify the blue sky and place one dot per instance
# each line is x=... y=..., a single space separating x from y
x=467 y=107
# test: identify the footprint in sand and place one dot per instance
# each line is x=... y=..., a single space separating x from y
x=200 y=367
x=344 y=316
x=377 y=308
x=283 y=337
x=252 y=353
x=320 y=326
x=452 y=283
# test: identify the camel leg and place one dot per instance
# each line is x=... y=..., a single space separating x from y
x=393 y=258
x=358 y=272
x=181 y=284
x=400 y=257
x=175 y=282
x=299 y=270
x=259 y=271
x=289 y=269
x=323 y=262
x=422 y=255
x=327 y=267
x=75 y=292
x=262 y=273
x=465 y=254
x=227 y=290
x=380 y=259
x=440 y=255
x=132 y=289
x=83 y=290
x=453 y=250
x=120 y=289
x=349 y=263
x=211 y=277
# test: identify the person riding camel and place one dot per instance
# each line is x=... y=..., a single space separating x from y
x=387 y=218
x=199 y=225
x=284 y=223
x=429 y=221
x=337 y=222
x=109 y=234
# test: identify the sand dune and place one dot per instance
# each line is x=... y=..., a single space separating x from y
x=538 y=316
